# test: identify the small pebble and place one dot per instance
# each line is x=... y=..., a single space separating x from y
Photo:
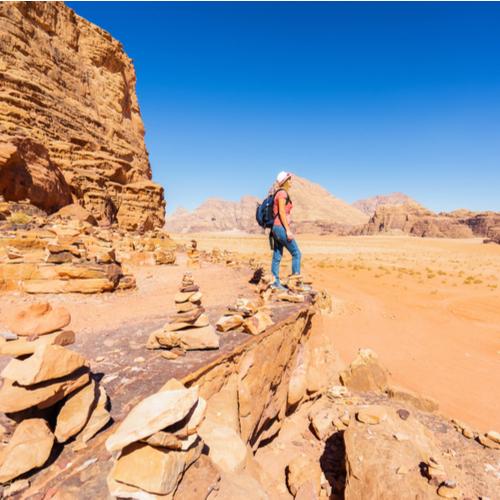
x=403 y=414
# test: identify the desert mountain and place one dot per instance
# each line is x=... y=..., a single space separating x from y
x=315 y=210
x=369 y=205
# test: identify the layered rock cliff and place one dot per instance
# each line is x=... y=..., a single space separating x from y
x=70 y=124
x=414 y=219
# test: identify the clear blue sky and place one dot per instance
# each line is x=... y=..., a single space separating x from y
x=363 y=98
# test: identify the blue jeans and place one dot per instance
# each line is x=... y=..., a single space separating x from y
x=280 y=242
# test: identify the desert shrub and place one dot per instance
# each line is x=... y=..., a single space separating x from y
x=19 y=218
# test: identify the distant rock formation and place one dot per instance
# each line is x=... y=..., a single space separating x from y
x=216 y=215
x=315 y=211
x=369 y=205
x=412 y=218
x=70 y=125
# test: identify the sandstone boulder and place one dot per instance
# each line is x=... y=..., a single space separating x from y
x=374 y=457
x=301 y=470
x=48 y=362
x=75 y=412
x=29 y=448
x=39 y=319
x=154 y=470
x=226 y=448
x=14 y=398
x=257 y=323
x=75 y=212
x=152 y=414
x=99 y=417
x=365 y=373
x=229 y=322
x=190 y=339
x=23 y=346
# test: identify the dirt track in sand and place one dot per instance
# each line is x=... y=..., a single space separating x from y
x=429 y=307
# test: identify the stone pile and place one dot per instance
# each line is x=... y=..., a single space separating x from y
x=156 y=443
x=193 y=255
x=50 y=393
x=188 y=329
x=252 y=315
x=67 y=253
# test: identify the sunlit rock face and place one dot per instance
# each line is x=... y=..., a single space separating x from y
x=70 y=124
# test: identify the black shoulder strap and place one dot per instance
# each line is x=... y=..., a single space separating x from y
x=288 y=199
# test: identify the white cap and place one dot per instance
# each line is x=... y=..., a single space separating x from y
x=282 y=177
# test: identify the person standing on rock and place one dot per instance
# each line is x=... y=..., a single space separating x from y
x=282 y=235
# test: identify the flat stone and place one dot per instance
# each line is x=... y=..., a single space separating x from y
x=257 y=323
x=29 y=448
x=169 y=355
x=39 y=319
x=371 y=415
x=48 y=362
x=188 y=317
x=195 y=297
x=163 y=471
x=494 y=436
x=182 y=297
x=201 y=321
x=169 y=440
x=121 y=490
x=199 y=338
x=227 y=323
x=14 y=398
x=75 y=412
x=99 y=417
x=152 y=414
x=487 y=442
x=185 y=307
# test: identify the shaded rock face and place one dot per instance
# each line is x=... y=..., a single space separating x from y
x=70 y=119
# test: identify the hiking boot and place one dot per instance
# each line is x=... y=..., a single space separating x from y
x=278 y=286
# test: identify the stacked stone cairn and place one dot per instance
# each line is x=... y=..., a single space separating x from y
x=156 y=442
x=49 y=391
x=188 y=329
x=250 y=314
x=193 y=255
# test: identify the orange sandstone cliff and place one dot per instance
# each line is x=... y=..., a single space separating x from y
x=70 y=124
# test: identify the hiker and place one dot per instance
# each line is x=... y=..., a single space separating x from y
x=282 y=235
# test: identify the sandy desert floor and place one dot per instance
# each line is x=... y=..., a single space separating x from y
x=429 y=307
